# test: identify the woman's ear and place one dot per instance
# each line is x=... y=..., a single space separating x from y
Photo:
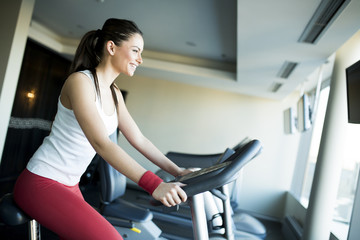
x=110 y=47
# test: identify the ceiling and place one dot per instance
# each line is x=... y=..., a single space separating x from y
x=237 y=46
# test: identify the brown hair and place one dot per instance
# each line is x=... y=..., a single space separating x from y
x=91 y=48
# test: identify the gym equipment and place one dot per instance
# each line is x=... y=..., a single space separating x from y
x=214 y=177
x=131 y=221
x=206 y=179
x=230 y=158
x=12 y=215
x=243 y=222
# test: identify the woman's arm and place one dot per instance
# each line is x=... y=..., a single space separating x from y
x=78 y=94
x=135 y=137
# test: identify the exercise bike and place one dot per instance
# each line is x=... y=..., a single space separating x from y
x=245 y=225
x=216 y=177
x=204 y=180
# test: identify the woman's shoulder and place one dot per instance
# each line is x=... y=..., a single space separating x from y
x=79 y=78
x=81 y=74
x=76 y=82
x=77 y=85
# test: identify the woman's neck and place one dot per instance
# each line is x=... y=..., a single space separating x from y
x=105 y=76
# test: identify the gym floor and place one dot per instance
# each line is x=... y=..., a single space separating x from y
x=20 y=232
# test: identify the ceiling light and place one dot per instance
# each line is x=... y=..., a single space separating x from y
x=286 y=69
x=275 y=87
x=324 y=15
x=191 y=44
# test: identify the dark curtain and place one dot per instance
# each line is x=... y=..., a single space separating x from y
x=42 y=75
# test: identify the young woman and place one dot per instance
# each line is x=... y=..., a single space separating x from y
x=90 y=108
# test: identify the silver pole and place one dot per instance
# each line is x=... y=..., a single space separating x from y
x=228 y=224
x=198 y=215
x=34 y=230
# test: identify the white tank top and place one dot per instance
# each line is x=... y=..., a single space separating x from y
x=66 y=153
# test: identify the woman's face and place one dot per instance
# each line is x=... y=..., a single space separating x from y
x=127 y=56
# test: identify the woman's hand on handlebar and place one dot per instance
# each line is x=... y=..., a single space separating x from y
x=170 y=194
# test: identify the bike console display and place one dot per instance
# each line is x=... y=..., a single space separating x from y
x=225 y=171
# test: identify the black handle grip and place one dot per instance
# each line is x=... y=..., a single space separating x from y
x=220 y=177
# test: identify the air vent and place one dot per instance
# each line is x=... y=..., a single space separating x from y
x=286 y=69
x=324 y=15
x=275 y=87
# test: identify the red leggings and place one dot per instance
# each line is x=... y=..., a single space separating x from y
x=61 y=208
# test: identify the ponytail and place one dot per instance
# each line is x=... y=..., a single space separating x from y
x=90 y=50
x=86 y=56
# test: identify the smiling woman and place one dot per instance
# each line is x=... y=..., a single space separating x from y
x=90 y=109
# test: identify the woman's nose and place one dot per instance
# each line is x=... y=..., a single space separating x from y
x=139 y=59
